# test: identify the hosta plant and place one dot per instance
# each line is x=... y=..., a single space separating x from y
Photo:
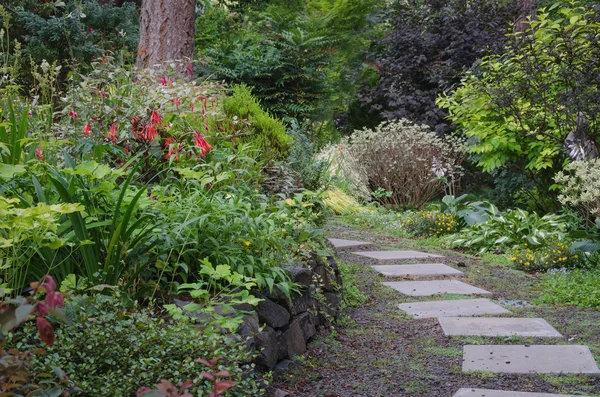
x=510 y=229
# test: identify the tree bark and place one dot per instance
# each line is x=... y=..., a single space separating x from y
x=527 y=9
x=166 y=34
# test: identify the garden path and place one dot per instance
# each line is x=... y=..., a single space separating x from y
x=509 y=356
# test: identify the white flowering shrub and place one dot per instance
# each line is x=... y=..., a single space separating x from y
x=580 y=185
x=398 y=163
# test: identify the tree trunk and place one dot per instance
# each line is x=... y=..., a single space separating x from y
x=527 y=9
x=167 y=34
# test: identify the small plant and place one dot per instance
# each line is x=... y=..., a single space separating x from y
x=512 y=228
x=167 y=389
x=555 y=254
x=429 y=223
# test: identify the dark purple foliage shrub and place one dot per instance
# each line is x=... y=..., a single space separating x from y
x=432 y=43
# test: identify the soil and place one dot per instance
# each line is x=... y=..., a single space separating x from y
x=379 y=351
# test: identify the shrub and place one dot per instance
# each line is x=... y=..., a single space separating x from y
x=429 y=223
x=339 y=202
x=519 y=107
x=510 y=229
x=408 y=163
x=110 y=349
x=266 y=132
x=555 y=254
x=580 y=185
x=430 y=44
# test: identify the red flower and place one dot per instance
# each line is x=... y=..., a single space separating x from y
x=200 y=142
x=87 y=129
x=192 y=106
x=148 y=133
x=134 y=123
x=73 y=115
x=112 y=133
x=39 y=154
x=176 y=101
x=155 y=119
x=164 y=81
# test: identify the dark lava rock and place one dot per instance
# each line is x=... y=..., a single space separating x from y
x=307 y=326
x=296 y=345
x=271 y=313
x=266 y=341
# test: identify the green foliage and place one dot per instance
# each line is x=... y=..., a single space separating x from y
x=351 y=273
x=429 y=223
x=576 y=287
x=266 y=132
x=519 y=107
x=301 y=58
x=510 y=229
x=71 y=32
x=553 y=255
x=29 y=240
x=108 y=347
x=302 y=158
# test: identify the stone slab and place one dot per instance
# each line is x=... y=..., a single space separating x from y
x=391 y=255
x=502 y=393
x=452 y=308
x=528 y=359
x=341 y=243
x=420 y=270
x=427 y=288
x=474 y=326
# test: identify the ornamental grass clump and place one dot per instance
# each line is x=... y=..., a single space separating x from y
x=408 y=162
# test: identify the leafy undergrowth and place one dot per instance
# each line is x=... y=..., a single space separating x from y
x=577 y=287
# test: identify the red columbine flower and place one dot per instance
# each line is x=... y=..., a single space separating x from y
x=87 y=129
x=164 y=81
x=73 y=115
x=155 y=119
x=134 y=123
x=200 y=142
x=176 y=101
x=39 y=154
x=112 y=133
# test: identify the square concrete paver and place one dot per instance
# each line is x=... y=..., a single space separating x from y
x=452 y=308
x=341 y=243
x=391 y=255
x=502 y=393
x=427 y=288
x=473 y=326
x=420 y=270
x=527 y=359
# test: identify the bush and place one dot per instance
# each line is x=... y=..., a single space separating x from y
x=555 y=254
x=399 y=163
x=430 y=44
x=266 y=132
x=110 y=349
x=519 y=107
x=580 y=185
x=510 y=229
x=429 y=223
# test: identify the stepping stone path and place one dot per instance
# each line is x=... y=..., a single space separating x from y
x=527 y=359
x=427 y=288
x=341 y=243
x=425 y=269
x=452 y=308
x=473 y=326
x=395 y=255
x=514 y=359
x=501 y=393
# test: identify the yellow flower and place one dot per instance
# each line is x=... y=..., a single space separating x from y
x=513 y=258
x=283 y=231
x=247 y=242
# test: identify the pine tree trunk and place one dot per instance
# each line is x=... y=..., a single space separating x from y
x=166 y=34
